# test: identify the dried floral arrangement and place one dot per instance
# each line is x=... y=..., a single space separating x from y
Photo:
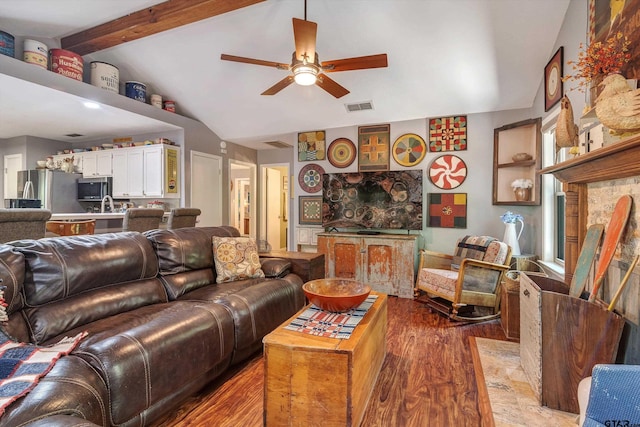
x=599 y=59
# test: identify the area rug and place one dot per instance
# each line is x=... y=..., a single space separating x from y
x=22 y=365
x=315 y=321
x=505 y=396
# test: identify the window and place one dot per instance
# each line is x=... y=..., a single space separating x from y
x=553 y=202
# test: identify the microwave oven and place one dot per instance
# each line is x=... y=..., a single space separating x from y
x=93 y=189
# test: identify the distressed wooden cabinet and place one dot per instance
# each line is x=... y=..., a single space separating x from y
x=385 y=261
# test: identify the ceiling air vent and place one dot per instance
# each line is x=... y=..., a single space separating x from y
x=278 y=144
x=359 y=106
x=73 y=135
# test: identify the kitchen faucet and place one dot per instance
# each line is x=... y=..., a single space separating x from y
x=105 y=198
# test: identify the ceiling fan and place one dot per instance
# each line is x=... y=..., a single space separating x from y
x=305 y=67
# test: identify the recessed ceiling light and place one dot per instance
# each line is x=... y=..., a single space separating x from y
x=92 y=105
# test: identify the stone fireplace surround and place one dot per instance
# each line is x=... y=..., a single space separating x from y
x=593 y=182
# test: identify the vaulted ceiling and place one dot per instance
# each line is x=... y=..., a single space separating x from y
x=444 y=57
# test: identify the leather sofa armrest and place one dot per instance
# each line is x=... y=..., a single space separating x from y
x=61 y=421
x=275 y=267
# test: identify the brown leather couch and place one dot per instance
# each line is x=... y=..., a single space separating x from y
x=159 y=327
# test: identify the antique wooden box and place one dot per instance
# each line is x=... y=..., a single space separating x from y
x=312 y=380
x=561 y=339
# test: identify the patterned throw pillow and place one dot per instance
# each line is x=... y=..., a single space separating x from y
x=236 y=258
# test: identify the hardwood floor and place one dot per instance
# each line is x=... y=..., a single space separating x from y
x=427 y=378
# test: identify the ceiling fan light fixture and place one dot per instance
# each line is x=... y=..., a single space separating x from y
x=305 y=74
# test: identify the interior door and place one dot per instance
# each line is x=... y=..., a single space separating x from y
x=206 y=188
x=273 y=207
x=12 y=164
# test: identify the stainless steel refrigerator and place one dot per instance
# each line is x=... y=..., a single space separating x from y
x=56 y=190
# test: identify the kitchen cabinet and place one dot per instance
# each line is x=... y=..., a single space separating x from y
x=517 y=156
x=128 y=172
x=97 y=164
x=385 y=261
x=150 y=171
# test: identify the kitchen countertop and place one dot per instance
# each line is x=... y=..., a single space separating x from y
x=86 y=216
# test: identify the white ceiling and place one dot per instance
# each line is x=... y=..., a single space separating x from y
x=445 y=57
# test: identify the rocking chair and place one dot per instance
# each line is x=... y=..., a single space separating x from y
x=456 y=285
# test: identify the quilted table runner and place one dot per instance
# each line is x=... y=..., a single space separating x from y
x=315 y=321
x=22 y=365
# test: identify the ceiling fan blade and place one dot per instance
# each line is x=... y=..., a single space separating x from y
x=304 y=34
x=278 y=65
x=331 y=86
x=359 y=63
x=278 y=86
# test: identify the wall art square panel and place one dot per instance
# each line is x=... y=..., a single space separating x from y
x=311 y=146
x=310 y=210
x=373 y=148
x=448 y=134
x=447 y=210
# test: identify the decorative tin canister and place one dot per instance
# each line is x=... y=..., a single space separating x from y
x=156 y=100
x=170 y=106
x=67 y=63
x=35 y=53
x=7 y=44
x=136 y=90
x=105 y=76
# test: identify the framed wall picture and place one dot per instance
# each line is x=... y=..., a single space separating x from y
x=409 y=149
x=341 y=153
x=311 y=146
x=447 y=172
x=553 y=80
x=448 y=134
x=447 y=210
x=310 y=178
x=373 y=148
x=310 y=210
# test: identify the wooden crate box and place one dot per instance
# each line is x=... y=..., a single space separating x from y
x=561 y=339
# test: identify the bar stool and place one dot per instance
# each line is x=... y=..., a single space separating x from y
x=142 y=219
x=17 y=224
x=183 y=217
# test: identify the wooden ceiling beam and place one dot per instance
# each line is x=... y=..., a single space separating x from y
x=145 y=22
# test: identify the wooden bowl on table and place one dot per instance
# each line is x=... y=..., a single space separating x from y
x=336 y=294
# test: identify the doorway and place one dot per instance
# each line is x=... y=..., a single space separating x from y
x=275 y=209
x=12 y=164
x=242 y=205
x=206 y=188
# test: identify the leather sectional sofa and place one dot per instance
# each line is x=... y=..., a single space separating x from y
x=158 y=325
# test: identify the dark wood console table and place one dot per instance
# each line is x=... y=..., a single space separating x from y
x=307 y=265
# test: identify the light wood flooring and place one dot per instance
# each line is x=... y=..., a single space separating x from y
x=427 y=378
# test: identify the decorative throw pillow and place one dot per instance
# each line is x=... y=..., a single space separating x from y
x=236 y=258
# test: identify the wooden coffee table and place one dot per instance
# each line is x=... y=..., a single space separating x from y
x=312 y=380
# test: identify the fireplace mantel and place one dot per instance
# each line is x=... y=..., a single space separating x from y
x=619 y=160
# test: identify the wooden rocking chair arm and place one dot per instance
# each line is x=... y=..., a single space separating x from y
x=431 y=259
x=482 y=264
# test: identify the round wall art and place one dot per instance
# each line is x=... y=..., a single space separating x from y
x=409 y=149
x=448 y=171
x=310 y=178
x=341 y=152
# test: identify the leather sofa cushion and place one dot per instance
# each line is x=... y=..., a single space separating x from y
x=258 y=306
x=186 y=250
x=152 y=351
x=60 y=268
x=75 y=280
